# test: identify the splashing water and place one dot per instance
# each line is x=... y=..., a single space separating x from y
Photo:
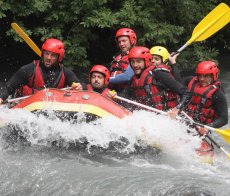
x=151 y=129
x=178 y=166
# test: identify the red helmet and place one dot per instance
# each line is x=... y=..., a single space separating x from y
x=101 y=69
x=141 y=52
x=56 y=46
x=208 y=67
x=127 y=32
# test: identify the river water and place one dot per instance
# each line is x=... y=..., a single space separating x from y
x=128 y=167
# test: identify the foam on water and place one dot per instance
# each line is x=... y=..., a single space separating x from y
x=156 y=130
x=153 y=130
x=178 y=159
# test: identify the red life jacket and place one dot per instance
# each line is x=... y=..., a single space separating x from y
x=147 y=91
x=200 y=107
x=104 y=92
x=163 y=67
x=119 y=64
x=36 y=81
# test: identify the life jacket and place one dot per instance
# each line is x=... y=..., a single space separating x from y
x=200 y=107
x=119 y=64
x=163 y=67
x=36 y=81
x=151 y=92
x=104 y=92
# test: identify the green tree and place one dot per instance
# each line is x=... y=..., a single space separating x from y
x=87 y=27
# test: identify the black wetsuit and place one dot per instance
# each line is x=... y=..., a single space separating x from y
x=176 y=72
x=23 y=76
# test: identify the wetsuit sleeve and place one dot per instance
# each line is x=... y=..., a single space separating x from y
x=176 y=73
x=123 y=77
x=170 y=83
x=21 y=77
x=71 y=77
x=221 y=108
x=186 y=80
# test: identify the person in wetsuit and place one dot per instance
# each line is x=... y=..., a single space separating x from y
x=99 y=79
x=159 y=56
x=208 y=104
x=48 y=72
x=126 y=39
x=152 y=86
x=163 y=60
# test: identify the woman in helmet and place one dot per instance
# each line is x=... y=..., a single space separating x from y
x=48 y=72
x=152 y=86
x=161 y=56
x=126 y=39
x=99 y=79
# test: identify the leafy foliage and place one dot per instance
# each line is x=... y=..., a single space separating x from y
x=4 y=7
x=87 y=27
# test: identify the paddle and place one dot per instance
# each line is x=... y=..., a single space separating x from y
x=209 y=25
x=214 y=21
x=26 y=38
x=224 y=133
x=15 y=99
x=25 y=97
x=207 y=136
x=218 y=146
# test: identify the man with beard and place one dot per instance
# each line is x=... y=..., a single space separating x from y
x=152 y=86
x=159 y=56
x=99 y=79
x=48 y=72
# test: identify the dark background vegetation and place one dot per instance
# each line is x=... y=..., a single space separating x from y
x=87 y=28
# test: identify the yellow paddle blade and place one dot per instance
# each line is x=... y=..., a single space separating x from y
x=227 y=130
x=26 y=38
x=228 y=156
x=225 y=134
x=214 y=21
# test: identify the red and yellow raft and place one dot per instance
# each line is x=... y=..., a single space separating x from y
x=88 y=102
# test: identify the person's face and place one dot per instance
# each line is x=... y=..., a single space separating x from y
x=124 y=43
x=205 y=79
x=156 y=60
x=97 y=80
x=50 y=58
x=138 y=65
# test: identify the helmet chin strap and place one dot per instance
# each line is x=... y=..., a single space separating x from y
x=210 y=83
x=212 y=80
